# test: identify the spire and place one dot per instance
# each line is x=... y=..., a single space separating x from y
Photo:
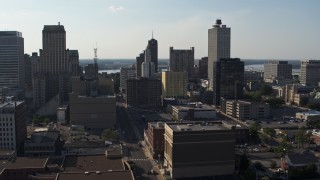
x=152 y=34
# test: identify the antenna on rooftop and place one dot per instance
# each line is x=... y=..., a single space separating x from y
x=152 y=34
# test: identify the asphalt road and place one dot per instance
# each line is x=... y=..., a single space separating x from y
x=130 y=136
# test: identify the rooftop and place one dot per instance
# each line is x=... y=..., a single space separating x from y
x=302 y=158
x=196 y=106
x=44 y=137
x=10 y=33
x=92 y=163
x=191 y=126
x=23 y=162
x=6 y=152
x=123 y=175
x=54 y=28
x=9 y=104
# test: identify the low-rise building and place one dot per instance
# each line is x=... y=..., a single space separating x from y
x=243 y=110
x=22 y=168
x=194 y=150
x=294 y=93
x=309 y=115
x=153 y=136
x=193 y=111
x=43 y=144
x=299 y=160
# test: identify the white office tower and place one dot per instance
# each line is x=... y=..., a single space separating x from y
x=218 y=45
x=148 y=68
x=310 y=72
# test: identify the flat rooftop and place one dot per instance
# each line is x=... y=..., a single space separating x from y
x=44 y=137
x=121 y=175
x=197 y=127
x=92 y=163
x=23 y=162
x=10 y=104
x=199 y=107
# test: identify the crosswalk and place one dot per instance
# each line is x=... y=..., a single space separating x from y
x=138 y=159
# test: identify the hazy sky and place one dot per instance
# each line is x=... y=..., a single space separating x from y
x=261 y=29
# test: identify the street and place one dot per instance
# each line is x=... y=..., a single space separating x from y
x=130 y=135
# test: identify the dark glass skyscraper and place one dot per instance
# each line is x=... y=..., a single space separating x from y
x=11 y=60
x=153 y=47
x=228 y=79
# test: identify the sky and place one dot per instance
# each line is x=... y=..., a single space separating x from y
x=260 y=29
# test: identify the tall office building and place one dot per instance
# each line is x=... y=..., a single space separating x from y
x=13 y=124
x=203 y=67
x=53 y=68
x=228 y=79
x=310 y=72
x=174 y=84
x=182 y=61
x=27 y=70
x=277 y=70
x=125 y=74
x=139 y=61
x=144 y=92
x=147 y=67
x=153 y=47
x=12 y=60
x=218 y=45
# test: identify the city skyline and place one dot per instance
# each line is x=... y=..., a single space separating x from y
x=260 y=30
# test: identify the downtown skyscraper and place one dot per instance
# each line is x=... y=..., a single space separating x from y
x=11 y=60
x=218 y=45
x=52 y=70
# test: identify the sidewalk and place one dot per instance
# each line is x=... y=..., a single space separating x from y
x=153 y=163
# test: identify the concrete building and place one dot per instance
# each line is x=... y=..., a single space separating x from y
x=294 y=93
x=253 y=76
x=174 y=84
x=43 y=144
x=193 y=111
x=139 y=61
x=27 y=71
x=203 y=68
x=13 y=125
x=153 y=136
x=193 y=150
x=228 y=79
x=277 y=70
x=309 y=115
x=182 y=60
x=52 y=70
x=245 y=110
x=22 y=168
x=12 y=60
x=125 y=74
x=219 y=37
x=310 y=72
x=92 y=104
x=143 y=92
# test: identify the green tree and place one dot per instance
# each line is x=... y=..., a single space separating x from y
x=283 y=148
x=301 y=137
x=263 y=138
x=109 y=134
x=46 y=120
x=253 y=130
x=304 y=101
x=266 y=89
x=273 y=164
x=270 y=132
x=275 y=102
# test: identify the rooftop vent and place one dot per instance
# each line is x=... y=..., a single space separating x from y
x=87 y=173
x=98 y=172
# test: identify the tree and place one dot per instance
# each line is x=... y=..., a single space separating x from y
x=244 y=162
x=266 y=89
x=311 y=171
x=304 y=101
x=283 y=148
x=273 y=164
x=258 y=165
x=263 y=138
x=275 y=102
x=301 y=136
x=270 y=132
x=109 y=134
x=250 y=174
x=253 y=130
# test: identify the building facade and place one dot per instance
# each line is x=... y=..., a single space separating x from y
x=228 y=79
x=13 y=126
x=125 y=74
x=274 y=70
x=174 y=84
x=193 y=111
x=153 y=48
x=139 y=61
x=153 y=136
x=147 y=67
x=218 y=45
x=182 y=60
x=143 y=92
x=52 y=70
x=12 y=60
x=203 y=68
x=194 y=150
x=310 y=72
